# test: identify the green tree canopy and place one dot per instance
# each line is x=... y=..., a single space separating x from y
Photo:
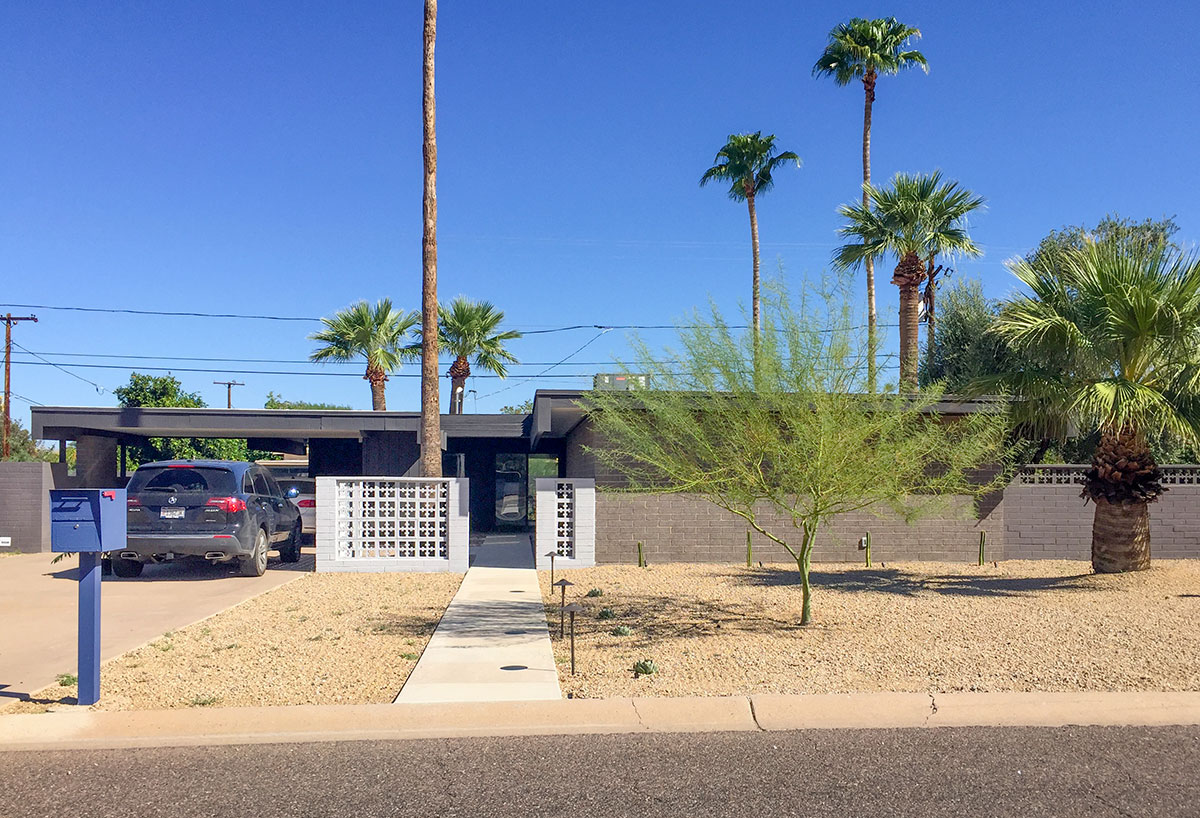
x=168 y=391
x=380 y=334
x=786 y=427
x=277 y=402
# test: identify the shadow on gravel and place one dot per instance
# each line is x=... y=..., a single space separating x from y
x=897 y=581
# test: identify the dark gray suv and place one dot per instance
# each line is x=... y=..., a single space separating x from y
x=218 y=510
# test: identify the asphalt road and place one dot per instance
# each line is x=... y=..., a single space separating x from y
x=1061 y=772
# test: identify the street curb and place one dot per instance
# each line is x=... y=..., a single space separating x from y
x=80 y=728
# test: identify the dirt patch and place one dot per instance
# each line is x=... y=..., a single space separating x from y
x=1039 y=625
x=323 y=639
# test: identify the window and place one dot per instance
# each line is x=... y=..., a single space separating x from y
x=260 y=484
x=179 y=480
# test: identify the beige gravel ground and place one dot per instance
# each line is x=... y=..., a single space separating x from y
x=1045 y=625
x=323 y=639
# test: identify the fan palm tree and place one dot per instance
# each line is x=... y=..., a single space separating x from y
x=380 y=334
x=1110 y=340
x=748 y=162
x=863 y=49
x=917 y=218
x=468 y=331
x=431 y=418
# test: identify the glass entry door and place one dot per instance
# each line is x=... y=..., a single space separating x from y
x=512 y=494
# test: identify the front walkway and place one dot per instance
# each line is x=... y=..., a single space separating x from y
x=492 y=643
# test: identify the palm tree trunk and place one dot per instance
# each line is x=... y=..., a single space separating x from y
x=378 y=381
x=872 y=328
x=909 y=316
x=1120 y=537
x=431 y=420
x=460 y=370
x=754 y=281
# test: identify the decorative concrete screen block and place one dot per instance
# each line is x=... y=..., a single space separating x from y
x=566 y=521
x=392 y=524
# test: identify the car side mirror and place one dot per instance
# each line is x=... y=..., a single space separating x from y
x=293 y=493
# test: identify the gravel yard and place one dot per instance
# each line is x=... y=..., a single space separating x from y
x=721 y=630
x=323 y=639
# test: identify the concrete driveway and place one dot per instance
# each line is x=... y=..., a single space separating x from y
x=39 y=610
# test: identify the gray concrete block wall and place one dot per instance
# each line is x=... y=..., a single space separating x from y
x=1054 y=522
x=685 y=528
x=25 y=505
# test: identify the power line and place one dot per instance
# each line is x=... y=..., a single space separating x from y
x=98 y=387
x=30 y=401
x=543 y=372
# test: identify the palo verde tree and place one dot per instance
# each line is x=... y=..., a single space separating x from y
x=800 y=439
x=380 y=334
x=748 y=163
x=1108 y=341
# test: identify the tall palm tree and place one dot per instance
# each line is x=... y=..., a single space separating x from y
x=1110 y=341
x=748 y=162
x=916 y=218
x=380 y=334
x=863 y=50
x=431 y=418
x=469 y=332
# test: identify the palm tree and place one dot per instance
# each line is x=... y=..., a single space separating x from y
x=864 y=49
x=747 y=162
x=380 y=334
x=1110 y=340
x=431 y=419
x=468 y=331
x=916 y=218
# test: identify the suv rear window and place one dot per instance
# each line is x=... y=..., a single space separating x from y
x=181 y=479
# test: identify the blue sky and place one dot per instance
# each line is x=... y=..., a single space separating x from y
x=266 y=158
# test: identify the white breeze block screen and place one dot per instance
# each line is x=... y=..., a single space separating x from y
x=392 y=524
x=566 y=521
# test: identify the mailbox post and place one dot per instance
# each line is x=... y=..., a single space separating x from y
x=88 y=522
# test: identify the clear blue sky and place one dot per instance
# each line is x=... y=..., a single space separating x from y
x=266 y=158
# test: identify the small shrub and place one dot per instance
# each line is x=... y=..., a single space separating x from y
x=595 y=592
x=644 y=667
x=622 y=630
x=204 y=700
x=67 y=679
x=409 y=656
x=606 y=613
x=164 y=646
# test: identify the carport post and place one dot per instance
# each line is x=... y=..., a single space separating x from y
x=89 y=627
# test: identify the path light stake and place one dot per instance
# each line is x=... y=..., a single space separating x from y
x=552 y=555
x=749 y=551
x=562 y=583
x=641 y=556
x=982 y=543
x=864 y=544
x=573 y=609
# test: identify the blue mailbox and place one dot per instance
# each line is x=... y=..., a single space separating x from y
x=88 y=522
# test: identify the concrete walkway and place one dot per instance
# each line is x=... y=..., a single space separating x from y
x=492 y=643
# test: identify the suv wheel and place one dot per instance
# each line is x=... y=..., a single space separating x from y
x=290 y=552
x=255 y=565
x=126 y=568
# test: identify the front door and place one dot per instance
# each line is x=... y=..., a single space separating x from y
x=512 y=489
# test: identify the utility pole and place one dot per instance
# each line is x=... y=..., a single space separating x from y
x=9 y=319
x=229 y=391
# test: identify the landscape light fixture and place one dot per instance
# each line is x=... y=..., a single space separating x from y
x=564 y=584
x=552 y=555
x=573 y=609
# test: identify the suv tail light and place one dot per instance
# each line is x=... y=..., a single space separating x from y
x=229 y=505
x=307 y=503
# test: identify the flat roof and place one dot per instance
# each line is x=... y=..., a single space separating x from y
x=555 y=413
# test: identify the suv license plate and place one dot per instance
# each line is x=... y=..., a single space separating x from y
x=171 y=514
